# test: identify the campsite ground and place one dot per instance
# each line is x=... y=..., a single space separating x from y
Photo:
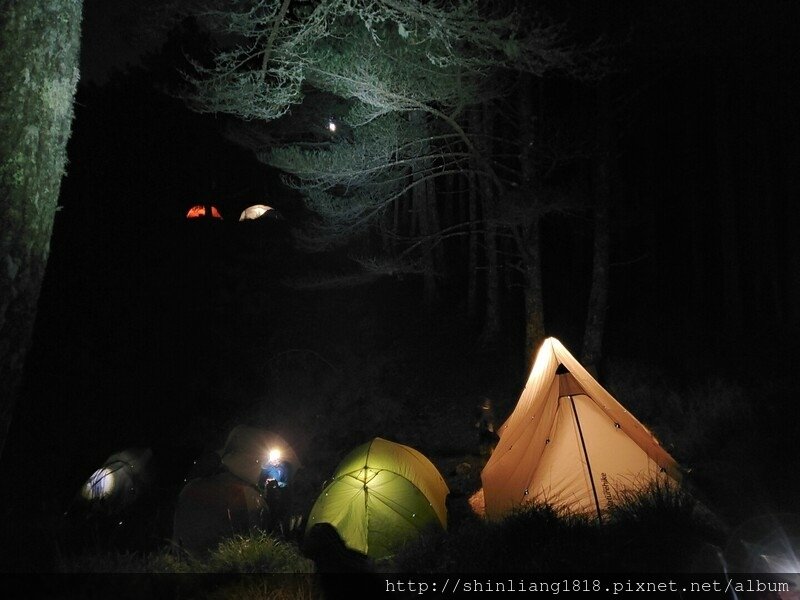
x=329 y=369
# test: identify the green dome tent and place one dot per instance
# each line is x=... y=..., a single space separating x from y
x=382 y=495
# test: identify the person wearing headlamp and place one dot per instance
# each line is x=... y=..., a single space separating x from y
x=275 y=478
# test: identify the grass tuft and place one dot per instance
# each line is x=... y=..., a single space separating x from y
x=258 y=552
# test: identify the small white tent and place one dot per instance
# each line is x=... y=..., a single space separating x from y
x=257 y=211
x=121 y=480
x=568 y=442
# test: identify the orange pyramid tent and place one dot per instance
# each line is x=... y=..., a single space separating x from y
x=569 y=443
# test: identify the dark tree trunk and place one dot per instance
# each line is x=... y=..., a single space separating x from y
x=39 y=58
x=492 y=319
x=598 y=295
x=419 y=201
x=421 y=194
x=534 y=300
x=388 y=224
x=472 y=261
x=434 y=226
x=597 y=308
x=529 y=239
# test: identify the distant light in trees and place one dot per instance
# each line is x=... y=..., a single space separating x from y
x=331 y=126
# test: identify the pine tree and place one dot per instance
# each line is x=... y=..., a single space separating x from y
x=407 y=72
x=39 y=54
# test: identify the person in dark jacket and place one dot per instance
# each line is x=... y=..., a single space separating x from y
x=276 y=489
x=485 y=423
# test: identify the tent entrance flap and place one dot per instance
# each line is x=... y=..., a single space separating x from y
x=586 y=456
x=568 y=385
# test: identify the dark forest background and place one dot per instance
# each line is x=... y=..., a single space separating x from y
x=158 y=331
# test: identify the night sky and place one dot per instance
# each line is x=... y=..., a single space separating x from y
x=156 y=331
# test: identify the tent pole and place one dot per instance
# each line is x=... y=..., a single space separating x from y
x=588 y=464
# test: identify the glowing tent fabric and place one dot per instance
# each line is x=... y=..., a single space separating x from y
x=568 y=442
x=382 y=495
x=120 y=480
x=199 y=211
x=256 y=212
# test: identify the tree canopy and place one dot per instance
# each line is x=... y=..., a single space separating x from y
x=419 y=86
x=385 y=59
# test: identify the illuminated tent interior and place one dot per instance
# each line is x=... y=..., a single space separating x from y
x=120 y=480
x=569 y=443
x=382 y=495
x=258 y=211
x=199 y=211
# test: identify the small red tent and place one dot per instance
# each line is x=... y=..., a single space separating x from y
x=199 y=210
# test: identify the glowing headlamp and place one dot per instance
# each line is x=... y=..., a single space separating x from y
x=274 y=455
